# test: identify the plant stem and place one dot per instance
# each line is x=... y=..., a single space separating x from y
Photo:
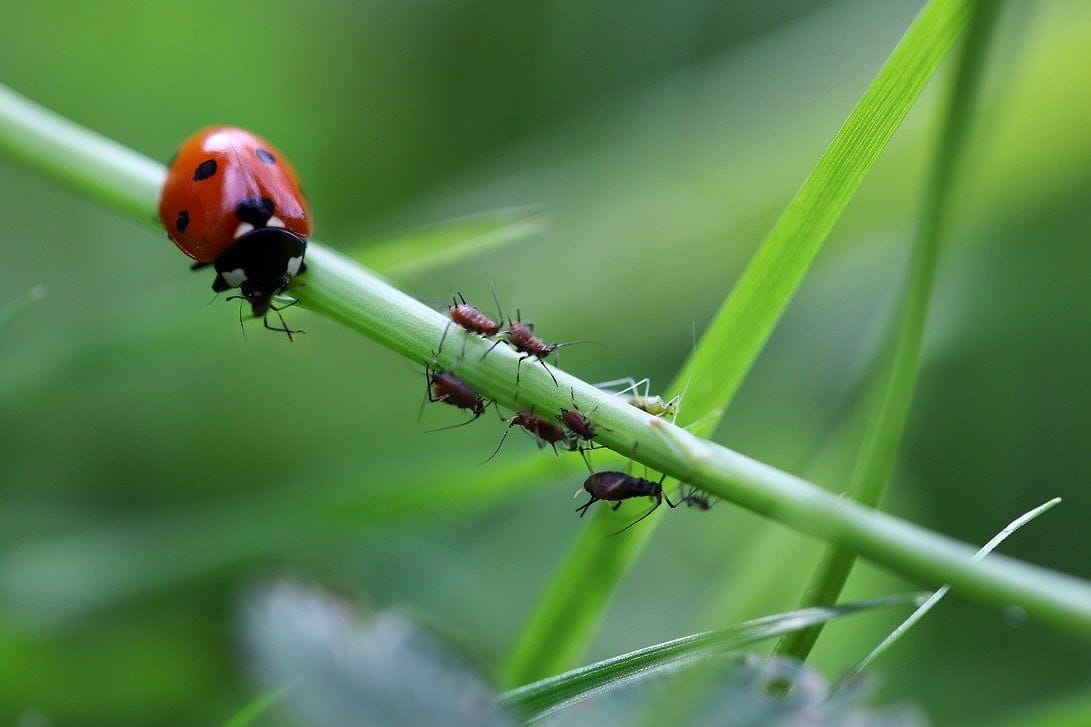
x=346 y=292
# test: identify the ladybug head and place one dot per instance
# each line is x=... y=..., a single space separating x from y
x=261 y=264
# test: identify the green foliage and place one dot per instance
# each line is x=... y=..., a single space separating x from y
x=663 y=152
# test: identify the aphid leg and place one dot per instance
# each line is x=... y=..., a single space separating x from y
x=444 y=337
x=501 y=444
x=495 y=343
x=471 y=420
x=586 y=460
x=634 y=522
x=582 y=509
x=555 y=383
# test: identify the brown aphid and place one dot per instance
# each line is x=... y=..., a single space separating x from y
x=446 y=388
x=471 y=319
x=577 y=423
x=544 y=430
x=617 y=486
x=520 y=334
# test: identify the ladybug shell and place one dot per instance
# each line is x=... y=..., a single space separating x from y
x=223 y=178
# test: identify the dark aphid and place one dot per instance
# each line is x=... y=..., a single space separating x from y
x=445 y=387
x=520 y=334
x=577 y=423
x=695 y=498
x=471 y=319
x=618 y=486
x=541 y=428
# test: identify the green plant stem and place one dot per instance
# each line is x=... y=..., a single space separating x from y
x=344 y=291
x=898 y=379
x=575 y=600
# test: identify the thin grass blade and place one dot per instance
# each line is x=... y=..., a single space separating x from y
x=421 y=250
x=539 y=699
x=935 y=598
x=898 y=376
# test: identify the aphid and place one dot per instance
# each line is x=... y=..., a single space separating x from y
x=543 y=429
x=471 y=319
x=581 y=427
x=618 y=486
x=231 y=200
x=654 y=405
x=445 y=387
x=695 y=498
x=520 y=334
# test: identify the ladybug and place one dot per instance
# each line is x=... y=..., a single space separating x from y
x=231 y=200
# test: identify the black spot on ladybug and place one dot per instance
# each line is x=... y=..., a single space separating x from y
x=266 y=156
x=255 y=210
x=204 y=170
x=183 y=221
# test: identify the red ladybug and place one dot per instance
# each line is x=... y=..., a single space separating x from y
x=232 y=201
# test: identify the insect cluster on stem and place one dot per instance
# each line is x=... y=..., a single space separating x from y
x=570 y=429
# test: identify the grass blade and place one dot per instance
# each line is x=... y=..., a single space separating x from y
x=539 y=699
x=421 y=250
x=575 y=600
x=929 y=604
x=898 y=377
x=257 y=707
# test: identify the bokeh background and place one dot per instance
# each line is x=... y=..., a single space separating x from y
x=155 y=461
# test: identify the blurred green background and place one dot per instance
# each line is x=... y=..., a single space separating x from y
x=155 y=461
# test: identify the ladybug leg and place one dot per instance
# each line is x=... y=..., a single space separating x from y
x=198 y=266
x=219 y=285
x=616 y=506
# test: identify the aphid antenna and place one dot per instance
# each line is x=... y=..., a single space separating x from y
x=495 y=299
